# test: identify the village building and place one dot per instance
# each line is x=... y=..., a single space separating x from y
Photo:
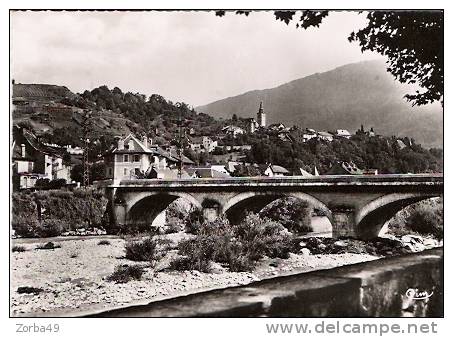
x=233 y=130
x=261 y=116
x=252 y=125
x=323 y=135
x=132 y=158
x=276 y=171
x=344 y=168
x=206 y=172
x=343 y=133
x=32 y=160
x=209 y=144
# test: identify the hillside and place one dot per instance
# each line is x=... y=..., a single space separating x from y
x=56 y=114
x=343 y=98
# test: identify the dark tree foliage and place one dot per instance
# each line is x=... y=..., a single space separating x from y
x=412 y=41
x=380 y=153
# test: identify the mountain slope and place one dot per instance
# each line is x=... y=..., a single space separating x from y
x=343 y=98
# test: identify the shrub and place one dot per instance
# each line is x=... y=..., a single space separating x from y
x=142 y=249
x=125 y=273
x=29 y=290
x=173 y=227
x=104 y=243
x=48 y=245
x=194 y=220
x=51 y=227
x=18 y=249
x=292 y=213
x=425 y=217
x=237 y=246
x=26 y=227
x=65 y=210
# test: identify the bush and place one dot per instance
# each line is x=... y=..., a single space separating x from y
x=237 y=246
x=125 y=273
x=142 y=250
x=104 y=243
x=173 y=227
x=48 y=245
x=193 y=221
x=29 y=290
x=425 y=218
x=26 y=227
x=51 y=227
x=65 y=210
x=18 y=249
x=293 y=214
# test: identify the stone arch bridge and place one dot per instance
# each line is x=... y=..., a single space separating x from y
x=357 y=206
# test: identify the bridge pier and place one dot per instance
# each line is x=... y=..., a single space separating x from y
x=210 y=214
x=343 y=222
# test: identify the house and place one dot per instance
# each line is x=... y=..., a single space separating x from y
x=132 y=158
x=343 y=133
x=323 y=135
x=276 y=171
x=344 y=168
x=167 y=174
x=206 y=172
x=209 y=144
x=232 y=130
x=309 y=134
x=277 y=127
x=252 y=125
x=33 y=160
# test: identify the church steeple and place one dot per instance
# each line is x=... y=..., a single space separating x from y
x=261 y=116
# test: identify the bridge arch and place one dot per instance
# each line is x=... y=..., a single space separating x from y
x=371 y=218
x=144 y=207
x=235 y=207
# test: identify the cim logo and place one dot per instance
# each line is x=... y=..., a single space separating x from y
x=415 y=294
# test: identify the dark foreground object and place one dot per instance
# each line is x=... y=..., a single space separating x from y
x=371 y=289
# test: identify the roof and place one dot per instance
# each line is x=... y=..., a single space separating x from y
x=177 y=158
x=206 y=172
x=343 y=132
x=325 y=134
x=232 y=128
x=23 y=135
x=344 y=168
x=169 y=174
x=304 y=173
x=278 y=169
x=139 y=147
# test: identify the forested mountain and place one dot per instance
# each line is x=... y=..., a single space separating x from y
x=343 y=98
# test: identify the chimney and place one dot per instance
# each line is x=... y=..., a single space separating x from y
x=22 y=150
x=120 y=144
x=145 y=141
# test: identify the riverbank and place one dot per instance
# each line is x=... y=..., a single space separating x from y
x=73 y=277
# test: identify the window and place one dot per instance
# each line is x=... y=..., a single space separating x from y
x=126 y=158
x=136 y=157
x=125 y=172
x=110 y=172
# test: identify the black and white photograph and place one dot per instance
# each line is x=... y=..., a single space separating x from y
x=227 y=163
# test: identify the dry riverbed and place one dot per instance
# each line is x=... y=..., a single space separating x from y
x=73 y=277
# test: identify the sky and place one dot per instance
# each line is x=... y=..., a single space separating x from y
x=195 y=57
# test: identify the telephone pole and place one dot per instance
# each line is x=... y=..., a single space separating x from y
x=86 y=143
x=180 y=145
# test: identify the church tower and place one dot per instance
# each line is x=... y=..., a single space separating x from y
x=261 y=116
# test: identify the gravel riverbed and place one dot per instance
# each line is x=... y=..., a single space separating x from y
x=73 y=277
